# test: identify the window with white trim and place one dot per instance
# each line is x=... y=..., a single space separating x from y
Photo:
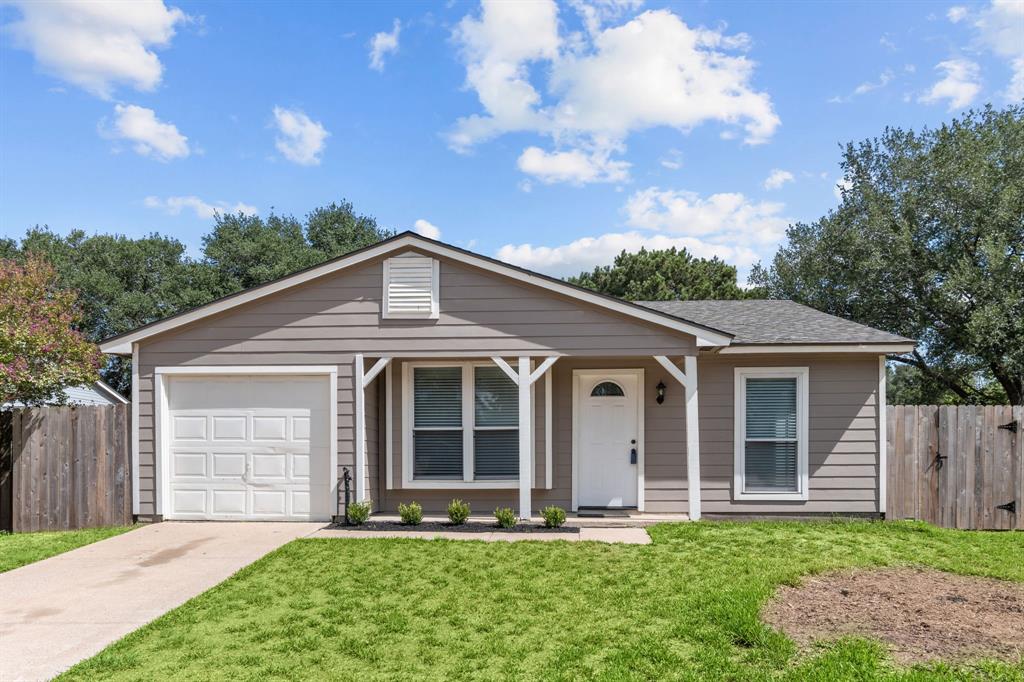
x=771 y=433
x=464 y=423
x=411 y=287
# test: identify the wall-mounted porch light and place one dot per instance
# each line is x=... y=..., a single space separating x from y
x=660 y=388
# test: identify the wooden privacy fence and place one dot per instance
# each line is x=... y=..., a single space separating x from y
x=957 y=466
x=65 y=467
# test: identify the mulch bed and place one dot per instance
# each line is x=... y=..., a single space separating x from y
x=435 y=527
x=919 y=615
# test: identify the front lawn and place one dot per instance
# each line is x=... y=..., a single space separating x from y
x=685 y=607
x=18 y=549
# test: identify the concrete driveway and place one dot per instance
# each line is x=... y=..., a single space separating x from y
x=59 y=611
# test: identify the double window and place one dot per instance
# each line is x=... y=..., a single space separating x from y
x=463 y=424
x=771 y=433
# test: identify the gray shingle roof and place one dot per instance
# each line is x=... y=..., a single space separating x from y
x=773 y=322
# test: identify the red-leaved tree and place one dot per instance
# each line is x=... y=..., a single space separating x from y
x=41 y=353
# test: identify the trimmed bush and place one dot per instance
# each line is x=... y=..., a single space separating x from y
x=358 y=512
x=505 y=516
x=458 y=512
x=554 y=517
x=411 y=514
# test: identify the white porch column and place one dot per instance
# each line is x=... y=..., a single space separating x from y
x=692 y=437
x=525 y=440
x=360 y=429
x=689 y=383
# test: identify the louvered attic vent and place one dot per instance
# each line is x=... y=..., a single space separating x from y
x=411 y=287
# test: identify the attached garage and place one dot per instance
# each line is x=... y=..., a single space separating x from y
x=247 y=446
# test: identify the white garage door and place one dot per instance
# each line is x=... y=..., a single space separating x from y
x=248 y=447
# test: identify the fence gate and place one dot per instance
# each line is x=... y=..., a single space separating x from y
x=957 y=466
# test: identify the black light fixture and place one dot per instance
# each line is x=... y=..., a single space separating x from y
x=660 y=388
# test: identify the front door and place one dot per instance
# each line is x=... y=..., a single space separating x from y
x=609 y=450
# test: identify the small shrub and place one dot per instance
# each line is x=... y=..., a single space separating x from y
x=458 y=512
x=358 y=512
x=554 y=517
x=411 y=514
x=505 y=516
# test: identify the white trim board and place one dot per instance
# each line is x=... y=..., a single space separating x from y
x=883 y=438
x=136 y=482
x=638 y=373
x=161 y=413
x=893 y=348
x=802 y=376
x=705 y=337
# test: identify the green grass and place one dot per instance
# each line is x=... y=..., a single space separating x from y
x=685 y=607
x=18 y=549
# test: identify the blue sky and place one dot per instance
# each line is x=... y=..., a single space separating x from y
x=550 y=135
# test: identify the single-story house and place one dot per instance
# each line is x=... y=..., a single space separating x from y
x=96 y=393
x=430 y=372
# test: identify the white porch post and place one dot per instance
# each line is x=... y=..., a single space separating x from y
x=525 y=439
x=692 y=438
x=360 y=429
x=689 y=383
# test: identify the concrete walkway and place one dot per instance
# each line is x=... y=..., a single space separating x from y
x=62 y=610
x=629 y=536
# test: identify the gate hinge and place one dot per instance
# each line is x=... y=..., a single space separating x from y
x=1011 y=427
x=1010 y=506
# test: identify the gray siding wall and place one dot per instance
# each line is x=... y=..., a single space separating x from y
x=327 y=321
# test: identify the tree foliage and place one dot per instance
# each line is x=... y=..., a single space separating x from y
x=664 y=275
x=41 y=353
x=928 y=242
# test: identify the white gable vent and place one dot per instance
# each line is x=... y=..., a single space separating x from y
x=411 y=286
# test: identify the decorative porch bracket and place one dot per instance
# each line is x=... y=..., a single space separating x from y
x=524 y=379
x=360 y=381
x=688 y=379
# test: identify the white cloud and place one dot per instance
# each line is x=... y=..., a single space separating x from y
x=148 y=135
x=300 y=139
x=589 y=252
x=99 y=44
x=383 y=44
x=202 y=209
x=777 y=178
x=575 y=167
x=595 y=13
x=651 y=71
x=884 y=79
x=956 y=14
x=842 y=185
x=724 y=217
x=1000 y=28
x=427 y=229
x=960 y=84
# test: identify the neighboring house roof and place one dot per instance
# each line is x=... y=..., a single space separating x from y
x=706 y=335
x=777 y=322
x=96 y=393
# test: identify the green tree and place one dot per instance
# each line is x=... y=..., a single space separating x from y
x=248 y=250
x=664 y=275
x=41 y=353
x=928 y=242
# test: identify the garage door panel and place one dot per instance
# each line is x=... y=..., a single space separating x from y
x=189 y=464
x=244 y=447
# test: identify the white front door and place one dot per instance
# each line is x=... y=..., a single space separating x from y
x=248 y=447
x=608 y=438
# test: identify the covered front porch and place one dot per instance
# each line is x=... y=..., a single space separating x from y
x=613 y=440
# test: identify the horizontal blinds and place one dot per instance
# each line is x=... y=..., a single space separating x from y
x=410 y=286
x=437 y=455
x=437 y=397
x=496 y=454
x=496 y=398
x=771 y=408
x=770 y=467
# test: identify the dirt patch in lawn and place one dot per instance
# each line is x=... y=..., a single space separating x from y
x=920 y=615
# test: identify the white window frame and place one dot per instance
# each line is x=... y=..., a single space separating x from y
x=801 y=374
x=468 y=427
x=435 y=292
